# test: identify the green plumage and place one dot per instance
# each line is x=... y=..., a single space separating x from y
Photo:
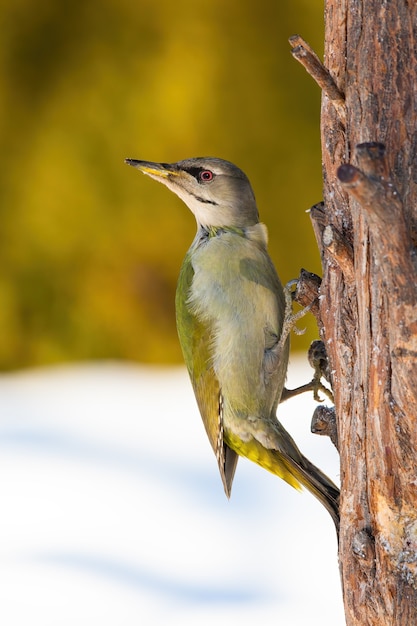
x=194 y=338
x=231 y=310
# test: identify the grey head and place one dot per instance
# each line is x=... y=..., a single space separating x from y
x=216 y=191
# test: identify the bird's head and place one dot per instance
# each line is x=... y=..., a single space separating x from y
x=216 y=191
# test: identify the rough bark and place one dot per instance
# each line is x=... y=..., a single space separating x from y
x=368 y=307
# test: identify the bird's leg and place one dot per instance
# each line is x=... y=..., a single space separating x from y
x=315 y=385
x=290 y=318
x=317 y=355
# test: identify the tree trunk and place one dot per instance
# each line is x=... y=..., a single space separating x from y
x=368 y=307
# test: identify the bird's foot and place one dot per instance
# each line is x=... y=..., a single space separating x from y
x=316 y=355
x=317 y=358
x=290 y=318
x=315 y=385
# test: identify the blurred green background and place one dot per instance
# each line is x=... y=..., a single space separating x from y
x=89 y=248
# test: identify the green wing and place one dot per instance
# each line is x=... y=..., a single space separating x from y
x=194 y=336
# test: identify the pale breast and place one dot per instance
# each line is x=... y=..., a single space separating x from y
x=236 y=290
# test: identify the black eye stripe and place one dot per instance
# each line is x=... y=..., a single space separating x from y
x=196 y=171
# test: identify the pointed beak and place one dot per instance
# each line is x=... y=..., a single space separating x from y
x=155 y=170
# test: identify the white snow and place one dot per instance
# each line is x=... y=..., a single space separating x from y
x=113 y=512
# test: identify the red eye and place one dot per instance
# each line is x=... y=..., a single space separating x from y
x=205 y=176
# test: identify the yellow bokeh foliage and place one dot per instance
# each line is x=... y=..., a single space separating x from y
x=90 y=249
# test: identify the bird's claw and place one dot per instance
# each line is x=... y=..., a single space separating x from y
x=317 y=353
